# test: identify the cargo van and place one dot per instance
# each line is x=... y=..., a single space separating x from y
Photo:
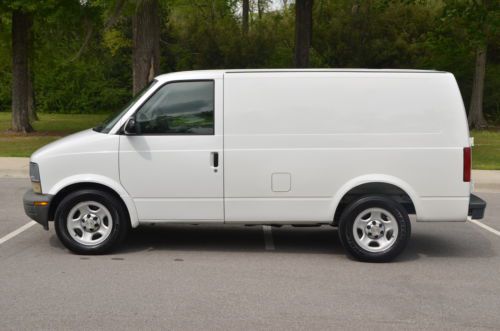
x=360 y=150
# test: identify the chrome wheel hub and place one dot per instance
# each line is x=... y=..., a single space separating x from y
x=89 y=223
x=375 y=229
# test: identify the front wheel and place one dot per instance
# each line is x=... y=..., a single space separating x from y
x=91 y=222
x=374 y=229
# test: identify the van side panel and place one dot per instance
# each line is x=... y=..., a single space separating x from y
x=327 y=129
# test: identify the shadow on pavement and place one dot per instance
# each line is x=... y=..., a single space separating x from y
x=232 y=238
x=287 y=239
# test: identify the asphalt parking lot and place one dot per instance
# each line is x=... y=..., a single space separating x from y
x=236 y=277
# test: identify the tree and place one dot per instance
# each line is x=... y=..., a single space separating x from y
x=479 y=16
x=260 y=8
x=146 y=43
x=303 y=32
x=245 y=12
x=480 y=20
x=31 y=79
x=23 y=94
x=21 y=25
x=83 y=48
x=476 y=117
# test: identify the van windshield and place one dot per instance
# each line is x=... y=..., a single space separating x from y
x=110 y=122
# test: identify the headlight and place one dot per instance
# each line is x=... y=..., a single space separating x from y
x=35 y=178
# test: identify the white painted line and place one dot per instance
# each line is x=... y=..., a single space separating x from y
x=16 y=232
x=484 y=226
x=268 y=237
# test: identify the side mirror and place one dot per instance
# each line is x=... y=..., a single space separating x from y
x=130 y=127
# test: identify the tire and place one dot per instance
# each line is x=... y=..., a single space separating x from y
x=374 y=229
x=91 y=222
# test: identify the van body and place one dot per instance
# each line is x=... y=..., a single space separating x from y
x=266 y=147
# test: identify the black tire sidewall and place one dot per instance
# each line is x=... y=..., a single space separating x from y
x=354 y=209
x=116 y=209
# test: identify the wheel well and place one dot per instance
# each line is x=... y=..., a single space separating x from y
x=390 y=190
x=56 y=200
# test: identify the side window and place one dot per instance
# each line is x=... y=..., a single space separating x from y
x=185 y=108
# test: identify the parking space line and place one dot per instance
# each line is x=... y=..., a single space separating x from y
x=16 y=232
x=268 y=238
x=484 y=226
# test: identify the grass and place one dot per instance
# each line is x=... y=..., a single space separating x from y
x=50 y=127
x=486 y=150
x=485 y=153
x=61 y=124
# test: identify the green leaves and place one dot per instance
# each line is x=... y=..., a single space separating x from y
x=204 y=34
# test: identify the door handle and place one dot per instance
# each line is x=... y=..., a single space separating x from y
x=214 y=157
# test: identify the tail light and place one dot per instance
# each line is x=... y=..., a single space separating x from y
x=467 y=164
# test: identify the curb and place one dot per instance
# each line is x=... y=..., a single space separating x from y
x=14 y=167
x=486 y=181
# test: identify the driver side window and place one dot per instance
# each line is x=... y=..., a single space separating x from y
x=179 y=108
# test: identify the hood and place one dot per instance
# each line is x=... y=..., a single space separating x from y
x=81 y=142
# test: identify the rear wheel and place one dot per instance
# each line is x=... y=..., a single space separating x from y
x=374 y=229
x=91 y=222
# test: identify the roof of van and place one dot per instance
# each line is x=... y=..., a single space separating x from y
x=220 y=72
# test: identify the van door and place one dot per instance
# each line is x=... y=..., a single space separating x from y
x=173 y=166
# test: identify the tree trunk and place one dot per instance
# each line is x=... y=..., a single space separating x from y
x=33 y=116
x=116 y=14
x=303 y=32
x=146 y=49
x=246 y=10
x=31 y=79
x=21 y=25
x=260 y=9
x=476 y=118
x=89 y=30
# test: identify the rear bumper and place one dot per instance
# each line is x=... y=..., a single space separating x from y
x=37 y=206
x=477 y=207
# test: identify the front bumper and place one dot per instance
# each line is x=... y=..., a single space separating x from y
x=37 y=206
x=476 y=207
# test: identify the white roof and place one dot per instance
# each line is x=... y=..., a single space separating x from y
x=201 y=74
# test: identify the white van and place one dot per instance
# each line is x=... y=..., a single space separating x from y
x=357 y=149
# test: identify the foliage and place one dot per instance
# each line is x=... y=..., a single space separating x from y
x=5 y=63
x=205 y=34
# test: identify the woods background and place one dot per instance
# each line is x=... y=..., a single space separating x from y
x=90 y=56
